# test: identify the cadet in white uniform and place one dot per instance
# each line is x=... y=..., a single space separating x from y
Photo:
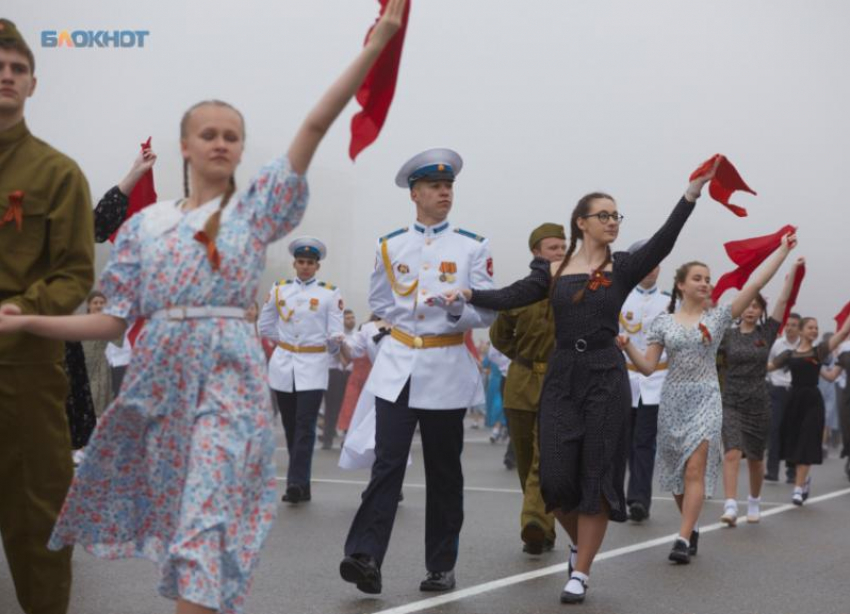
x=642 y=306
x=422 y=374
x=304 y=317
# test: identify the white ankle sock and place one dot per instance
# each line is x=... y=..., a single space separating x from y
x=574 y=585
x=753 y=506
x=684 y=540
x=798 y=490
x=696 y=528
x=731 y=505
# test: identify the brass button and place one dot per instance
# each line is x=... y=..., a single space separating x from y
x=418 y=342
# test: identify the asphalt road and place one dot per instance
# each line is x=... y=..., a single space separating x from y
x=796 y=561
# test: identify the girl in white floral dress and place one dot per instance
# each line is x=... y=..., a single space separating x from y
x=181 y=468
x=690 y=414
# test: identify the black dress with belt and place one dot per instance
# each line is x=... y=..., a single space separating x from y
x=586 y=398
x=801 y=431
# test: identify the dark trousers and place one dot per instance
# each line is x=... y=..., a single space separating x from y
x=643 y=430
x=299 y=412
x=337 y=381
x=442 y=444
x=35 y=473
x=778 y=397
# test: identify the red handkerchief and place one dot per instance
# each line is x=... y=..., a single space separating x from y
x=376 y=93
x=748 y=254
x=726 y=181
x=842 y=316
x=143 y=193
x=799 y=274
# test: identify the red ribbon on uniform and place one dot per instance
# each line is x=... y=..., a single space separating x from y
x=725 y=182
x=748 y=254
x=376 y=93
x=15 y=212
x=799 y=274
x=212 y=251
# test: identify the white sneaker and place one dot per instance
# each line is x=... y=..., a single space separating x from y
x=797 y=497
x=754 y=510
x=730 y=513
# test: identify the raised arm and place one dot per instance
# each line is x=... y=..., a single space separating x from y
x=320 y=119
x=764 y=275
x=840 y=335
x=111 y=210
x=782 y=301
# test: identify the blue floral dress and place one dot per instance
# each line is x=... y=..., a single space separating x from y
x=180 y=469
x=690 y=411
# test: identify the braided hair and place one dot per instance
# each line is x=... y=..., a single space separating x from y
x=679 y=278
x=581 y=209
x=211 y=226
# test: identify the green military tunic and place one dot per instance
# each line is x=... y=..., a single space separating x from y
x=46 y=267
x=527 y=337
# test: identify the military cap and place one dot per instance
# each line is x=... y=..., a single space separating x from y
x=309 y=247
x=435 y=164
x=545 y=231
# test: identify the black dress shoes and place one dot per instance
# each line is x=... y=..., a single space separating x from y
x=437 y=581
x=534 y=538
x=638 y=512
x=680 y=553
x=362 y=570
x=296 y=494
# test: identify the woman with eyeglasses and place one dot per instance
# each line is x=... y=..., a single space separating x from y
x=586 y=398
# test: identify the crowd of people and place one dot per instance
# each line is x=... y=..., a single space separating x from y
x=593 y=374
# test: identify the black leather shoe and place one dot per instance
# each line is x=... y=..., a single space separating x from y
x=534 y=538
x=548 y=546
x=680 y=553
x=693 y=544
x=363 y=571
x=638 y=512
x=568 y=597
x=437 y=581
x=296 y=494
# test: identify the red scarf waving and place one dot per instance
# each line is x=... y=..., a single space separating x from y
x=799 y=274
x=726 y=181
x=842 y=316
x=376 y=93
x=143 y=195
x=748 y=254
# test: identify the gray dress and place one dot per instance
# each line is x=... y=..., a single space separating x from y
x=746 y=404
x=690 y=411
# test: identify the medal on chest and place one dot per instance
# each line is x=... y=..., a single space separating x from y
x=448 y=272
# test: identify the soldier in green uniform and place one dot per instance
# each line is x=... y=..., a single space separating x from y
x=46 y=267
x=527 y=337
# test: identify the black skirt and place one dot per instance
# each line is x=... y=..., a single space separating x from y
x=802 y=427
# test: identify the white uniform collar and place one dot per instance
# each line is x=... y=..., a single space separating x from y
x=652 y=290
x=309 y=282
x=431 y=231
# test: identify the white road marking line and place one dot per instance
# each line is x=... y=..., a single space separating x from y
x=472 y=591
x=510 y=491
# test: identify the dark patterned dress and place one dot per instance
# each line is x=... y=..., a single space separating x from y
x=110 y=214
x=746 y=404
x=801 y=432
x=78 y=404
x=586 y=397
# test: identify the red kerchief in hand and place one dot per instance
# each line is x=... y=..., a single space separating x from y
x=726 y=181
x=143 y=194
x=376 y=94
x=748 y=254
x=842 y=316
x=799 y=274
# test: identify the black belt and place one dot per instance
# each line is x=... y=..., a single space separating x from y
x=587 y=345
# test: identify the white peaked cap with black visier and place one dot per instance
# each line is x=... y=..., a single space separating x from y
x=309 y=247
x=438 y=164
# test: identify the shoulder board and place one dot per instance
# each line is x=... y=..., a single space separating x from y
x=283 y=282
x=666 y=293
x=469 y=234
x=323 y=284
x=394 y=233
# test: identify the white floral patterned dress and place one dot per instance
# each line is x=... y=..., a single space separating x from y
x=180 y=469
x=691 y=410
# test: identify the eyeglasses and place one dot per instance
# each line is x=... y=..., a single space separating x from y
x=604 y=217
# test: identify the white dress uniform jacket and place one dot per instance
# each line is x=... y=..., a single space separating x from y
x=435 y=259
x=301 y=315
x=640 y=309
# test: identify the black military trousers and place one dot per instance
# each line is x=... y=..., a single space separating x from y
x=643 y=433
x=299 y=412
x=337 y=381
x=442 y=444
